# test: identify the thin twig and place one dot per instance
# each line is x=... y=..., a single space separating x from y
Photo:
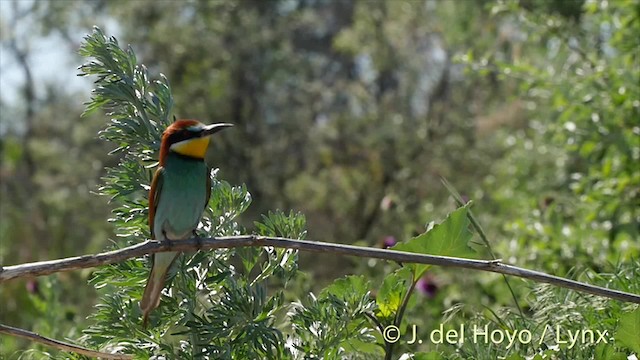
x=4 y=329
x=375 y=321
x=398 y=320
x=405 y=301
x=151 y=246
x=476 y=225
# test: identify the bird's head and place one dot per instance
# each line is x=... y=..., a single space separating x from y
x=188 y=138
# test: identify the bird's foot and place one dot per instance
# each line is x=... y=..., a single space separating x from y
x=166 y=242
x=198 y=240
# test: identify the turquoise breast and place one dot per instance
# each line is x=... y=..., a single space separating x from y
x=182 y=197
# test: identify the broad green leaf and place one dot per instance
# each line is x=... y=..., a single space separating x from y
x=432 y=355
x=515 y=357
x=347 y=286
x=449 y=238
x=361 y=347
x=608 y=352
x=391 y=293
x=628 y=333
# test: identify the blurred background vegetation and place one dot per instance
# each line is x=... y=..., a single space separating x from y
x=349 y=112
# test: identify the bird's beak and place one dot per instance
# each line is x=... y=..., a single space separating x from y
x=214 y=128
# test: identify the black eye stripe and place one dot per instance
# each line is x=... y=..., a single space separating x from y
x=180 y=136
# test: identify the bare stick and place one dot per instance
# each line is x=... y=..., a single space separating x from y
x=148 y=247
x=4 y=329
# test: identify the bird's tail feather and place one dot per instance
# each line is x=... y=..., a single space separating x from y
x=155 y=283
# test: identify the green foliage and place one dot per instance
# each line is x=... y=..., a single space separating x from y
x=239 y=324
x=137 y=105
x=140 y=110
x=349 y=112
x=579 y=151
x=628 y=333
x=449 y=238
x=216 y=310
x=50 y=163
x=334 y=325
x=279 y=224
x=554 y=315
x=392 y=292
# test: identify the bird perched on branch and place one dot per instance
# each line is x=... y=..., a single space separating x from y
x=179 y=193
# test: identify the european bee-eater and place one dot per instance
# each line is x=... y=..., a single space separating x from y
x=179 y=193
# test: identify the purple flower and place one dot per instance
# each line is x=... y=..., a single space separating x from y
x=388 y=242
x=32 y=286
x=427 y=286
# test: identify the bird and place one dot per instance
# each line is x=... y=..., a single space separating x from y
x=180 y=191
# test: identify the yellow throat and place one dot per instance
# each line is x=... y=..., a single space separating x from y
x=195 y=148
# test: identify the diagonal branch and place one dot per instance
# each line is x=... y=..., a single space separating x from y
x=4 y=329
x=149 y=246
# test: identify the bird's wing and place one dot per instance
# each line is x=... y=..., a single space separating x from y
x=206 y=203
x=154 y=193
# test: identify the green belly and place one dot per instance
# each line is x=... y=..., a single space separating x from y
x=181 y=198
